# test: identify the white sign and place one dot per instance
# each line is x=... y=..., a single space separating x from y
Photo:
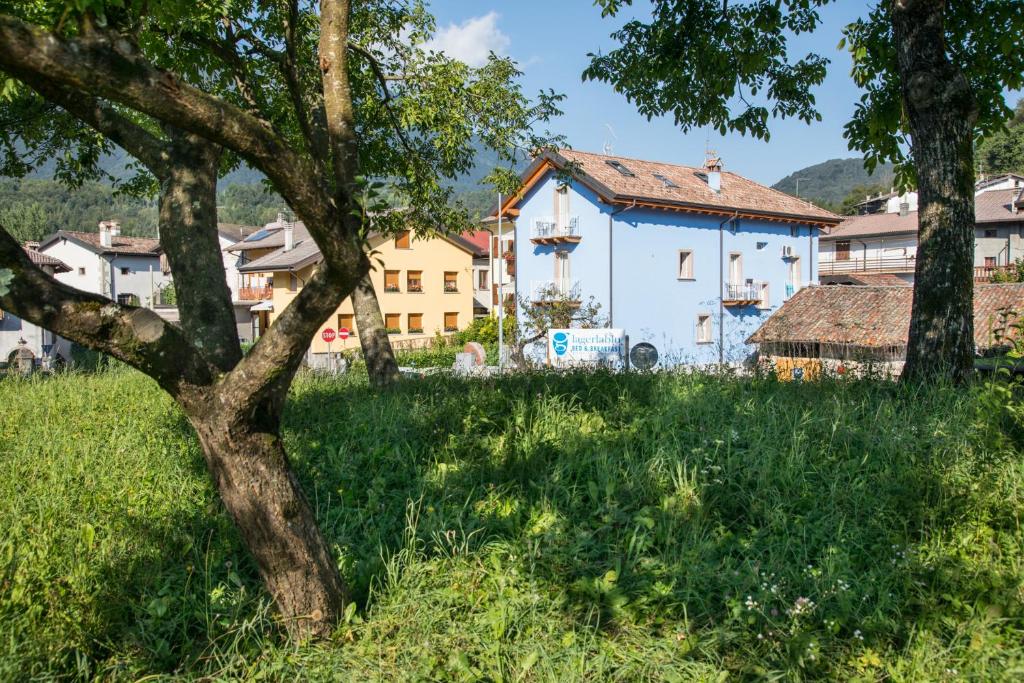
x=601 y=346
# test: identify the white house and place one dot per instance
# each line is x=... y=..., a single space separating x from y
x=20 y=337
x=128 y=270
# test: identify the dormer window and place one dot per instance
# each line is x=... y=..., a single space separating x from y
x=620 y=167
x=664 y=180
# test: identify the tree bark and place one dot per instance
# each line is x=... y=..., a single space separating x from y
x=381 y=365
x=188 y=235
x=941 y=111
x=260 y=491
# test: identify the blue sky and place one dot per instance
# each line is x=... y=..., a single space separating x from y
x=551 y=38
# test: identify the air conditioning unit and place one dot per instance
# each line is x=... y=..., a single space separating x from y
x=788 y=252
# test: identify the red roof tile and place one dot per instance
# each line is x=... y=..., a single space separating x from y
x=41 y=259
x=679 y=187
x=138 y=246
x=875 y=316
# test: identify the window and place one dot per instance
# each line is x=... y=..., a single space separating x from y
x=761 y=246
x=391 y=281
x=415 y=323
x=704 y=328
x=126 y=271
x=764 y=298
x=393 y=323
x=735 y=268
x=685 y=264
x=843 y=250
x=665 y=181
x=481 y=279
x=451 y=281
x=562 y=272
x=293 y=282
x=990 y=261
x=451 y=322
x=127 y=299
x=793 y=279
x=562 y=206
x=403 y=241
x=81 y=271
x=346 y=321
x=620 y=167
x=991 y=232
x=414 y=281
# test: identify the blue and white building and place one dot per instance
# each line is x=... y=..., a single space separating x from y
x=691 y=260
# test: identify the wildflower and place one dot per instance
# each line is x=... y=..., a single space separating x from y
x=858 y=635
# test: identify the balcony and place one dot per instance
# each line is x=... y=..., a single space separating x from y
x=264 y=293
x=548 y=292
x=880 y=264
x=550 y=231
x=987 y=273
x=746 y=294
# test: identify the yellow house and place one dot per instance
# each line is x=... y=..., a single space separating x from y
x=424 y=286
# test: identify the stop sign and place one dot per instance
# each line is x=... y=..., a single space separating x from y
x=343 y=333
x=328 y=335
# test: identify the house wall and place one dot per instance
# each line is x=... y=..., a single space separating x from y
x=1006 y=247
x=640 y=288
x=103 y=274
x=77 y=256
x=144 y=277
x=433 y=257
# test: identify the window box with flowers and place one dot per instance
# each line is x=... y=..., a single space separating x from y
x=415 y=330
x=393 y=330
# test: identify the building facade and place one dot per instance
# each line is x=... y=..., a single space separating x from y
x=425 y=287
x=19 y=336
x=691 y=260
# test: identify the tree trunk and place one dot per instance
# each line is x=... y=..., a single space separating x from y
x=941 y=109
x=188 y=235
x=260 y=491
x=381 y=365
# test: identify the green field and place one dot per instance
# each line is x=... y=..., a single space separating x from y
x=584 y=527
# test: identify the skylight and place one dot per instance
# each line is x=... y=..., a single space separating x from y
x=620 y=167
x=666 y=181
x=258 y=235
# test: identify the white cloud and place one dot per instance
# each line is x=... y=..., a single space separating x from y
x=472 y=40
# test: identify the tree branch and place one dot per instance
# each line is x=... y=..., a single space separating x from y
x=109 y=67
x=378 y=72
x=137 y=336
x=313 y=133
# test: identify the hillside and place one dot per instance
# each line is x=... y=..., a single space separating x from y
x=829 y=182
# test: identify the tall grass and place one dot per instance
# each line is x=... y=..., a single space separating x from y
x=538 y=527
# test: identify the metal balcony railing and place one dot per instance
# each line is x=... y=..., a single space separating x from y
x=879 y=264
x=745 y=293
x=554 y=290
x=552 y=230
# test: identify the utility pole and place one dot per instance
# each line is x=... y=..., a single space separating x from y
x=501 y=295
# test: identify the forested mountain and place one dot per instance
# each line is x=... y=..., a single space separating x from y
x=827 y=184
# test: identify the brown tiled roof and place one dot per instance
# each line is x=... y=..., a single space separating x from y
x=992 y=206
x=997 y=206
x=133 y=246
x=877 y=280
x=40 y=259
x=236 y=231
x=690 y=191
x=874 y=316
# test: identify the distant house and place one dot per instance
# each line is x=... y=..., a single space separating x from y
x=20 y=337
x=886 y=242
x=425 y=286
x=691 y=260
x=252 y=291
x=833 y=327
x=129 y=270
x=228 y=235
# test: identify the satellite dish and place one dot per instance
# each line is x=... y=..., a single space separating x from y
x=643 y=356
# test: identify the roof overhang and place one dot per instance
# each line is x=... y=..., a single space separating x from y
x=553 y=161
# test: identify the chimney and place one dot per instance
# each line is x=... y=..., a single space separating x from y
x=32 y=246
x=713 y=169
x=904 y=208
x=289 y=236
x=105 y=236
x=115 y=228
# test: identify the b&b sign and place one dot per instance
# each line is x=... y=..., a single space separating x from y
x=572 y=347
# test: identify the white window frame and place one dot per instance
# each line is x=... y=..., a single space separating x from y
x=684 y=263
x=737 y=258
x=765 y=292
x=698 y=331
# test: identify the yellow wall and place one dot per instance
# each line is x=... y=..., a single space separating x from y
x=433 y=257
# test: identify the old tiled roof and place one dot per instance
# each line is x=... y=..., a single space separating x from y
x=686 y=188
x=41 y=259
x=874 y=316
x=271 y=236
x=997 y=206
x=877 y=279
x=120 y=244
x=305 y=252
x=236 y=231
x=992 y=206
x=479 y=239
